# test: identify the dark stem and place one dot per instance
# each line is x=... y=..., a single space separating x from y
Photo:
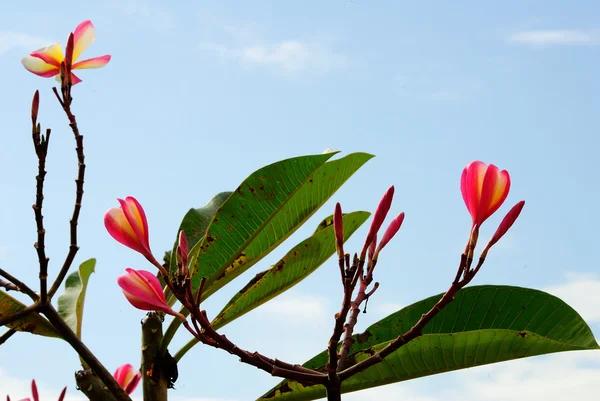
x=40 y=143
x=209 y=336
x=416 y=330
x=73 y=248
x=91 y=385
x=8 y=334
x=8 y=286
x=67 y=334
x=19 y=314
x=334 y=391
x=154 y=381
x=24 y=288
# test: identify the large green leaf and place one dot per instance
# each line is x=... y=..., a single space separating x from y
x=294 y=267
x=196 y=221
x=33 y=322
x=266 y=209
x=70 y=303
x=484 y=324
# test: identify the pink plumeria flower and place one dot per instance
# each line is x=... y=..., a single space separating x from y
x=128 y=225
x=46 y=61
x=143 y=290
x=35 y=395
x=127 y=377
x=484 y=189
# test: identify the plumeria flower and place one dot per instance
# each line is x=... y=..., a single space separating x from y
x=143 y=290
x=128 y=225
x=35 y=395
x=127 y=377
x=46 y=61
x=484 y=189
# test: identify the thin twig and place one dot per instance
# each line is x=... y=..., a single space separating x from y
x=73 y=248
x=416 y=330
x=8 y=286
x=40 y=144
x=19 y=314
x=8 y=334
x=24 y=288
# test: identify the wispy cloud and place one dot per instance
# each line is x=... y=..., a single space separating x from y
x=16 y=40
x=297 y=309
x=568 y=376
x=290 y=56
x=543 y=38
x=582 y=292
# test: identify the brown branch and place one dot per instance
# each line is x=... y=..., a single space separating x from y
x=417 y=329
x=24 y=288
x=8 y=334
x=40 y=144
x=73 y=248
x=350 y=276
x=19 y=314
x=209 y=336
x=69 y=336
x=8 y=286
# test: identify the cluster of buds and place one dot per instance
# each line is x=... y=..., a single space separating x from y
x=127 y=377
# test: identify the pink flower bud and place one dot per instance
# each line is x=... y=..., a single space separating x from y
x=484 y=189
x=182 y=249
x=128 y=225
x=338 y=229
x=379 y=216
x=127 y=377
x=507 y=222
x=143 y=290
x=372 y=248
x=390 y=232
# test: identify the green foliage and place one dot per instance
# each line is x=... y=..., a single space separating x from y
x=70 y=303
x=484 y=324
x=294 y=267
x=32 y=323
x=268 y=207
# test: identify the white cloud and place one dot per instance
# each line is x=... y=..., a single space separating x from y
x=567 y=376
x=16 y=40
x=291 y=56
x=543 y=38
x=297 y=309
x=582 y=292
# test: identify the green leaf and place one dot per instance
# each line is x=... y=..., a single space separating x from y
x=32 y=323
x=306 y=192
x=195 y=222
x=294 y=267
x=70 y=303
x=484 y=324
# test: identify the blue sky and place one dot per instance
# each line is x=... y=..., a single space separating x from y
x=200 y=94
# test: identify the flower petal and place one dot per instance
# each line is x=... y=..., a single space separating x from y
x=471 y=183
x=134 y=212
x=84 y=35
x=494 y=190
x=143 y=290
x=51 y=54
x=96 y=62
x=39 y=67
x=127 y=377
x=119 y=228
